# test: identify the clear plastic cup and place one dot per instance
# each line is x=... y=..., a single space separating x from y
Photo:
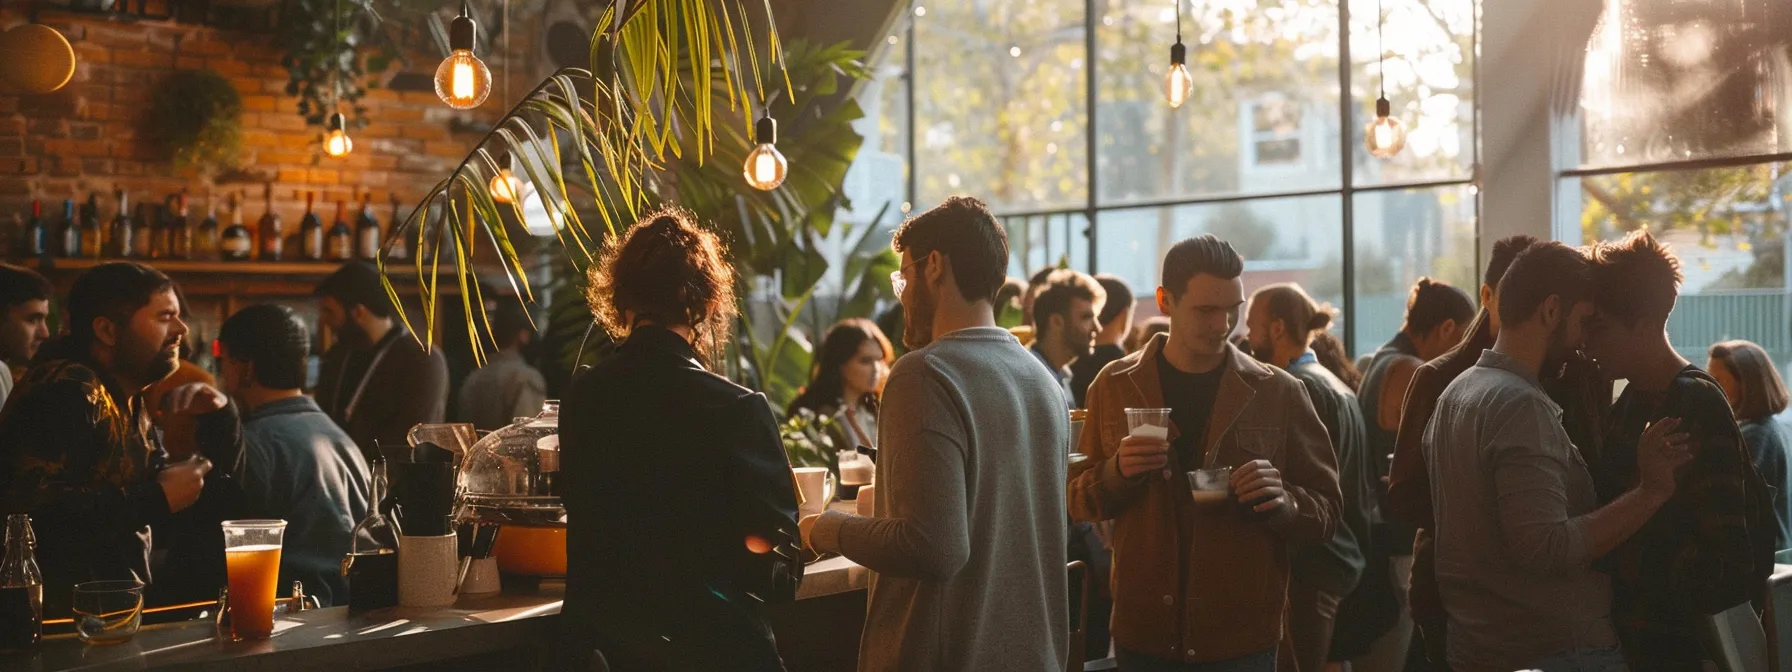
x=252 y=561
x=1210 y=486
x=1148 y=423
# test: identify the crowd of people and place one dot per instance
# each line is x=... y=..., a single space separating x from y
x=127 y=455
x=1479 y=495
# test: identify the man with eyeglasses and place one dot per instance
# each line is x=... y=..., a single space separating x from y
x=1201 y=586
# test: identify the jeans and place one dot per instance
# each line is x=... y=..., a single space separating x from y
x=1608 y=659
x=1130 y=661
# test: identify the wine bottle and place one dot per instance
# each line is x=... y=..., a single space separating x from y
x=342 y=238
x=311 y=232
x=118 y=244
x=71 y=230
x=180 y=230
x=93 y=233
x=273 y=242
x=367 y=231
x=37 y=235
x=400 y=250
x=237 y=243
x=21 y=588
x=205 y=240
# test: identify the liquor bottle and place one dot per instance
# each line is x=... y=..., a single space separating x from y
x=71 y=230
x=143 y=231
x=158 y=228
x=273 y=234
x=237 y=244
x=311 y=232
x=367 y=231
x=205 y=240
x=37 y=235
x=400 y=250
x=119 y=243
x=342 y=238
x=372 y=562
x=93 y=233
x=21 y=588
x=180 y=230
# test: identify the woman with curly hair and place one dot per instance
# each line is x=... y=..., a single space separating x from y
x=677 y=491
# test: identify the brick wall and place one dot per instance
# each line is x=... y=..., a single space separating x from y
x=88 y=136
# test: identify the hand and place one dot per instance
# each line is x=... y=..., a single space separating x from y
x=1139 y=456
x=807 y=525
x=193 y=399
x=1660 y=454
x=182 y=481
x=1258 y=479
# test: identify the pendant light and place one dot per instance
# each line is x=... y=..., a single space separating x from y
x=1386 y=135
x=1178 y=84
x=505 y=188
x=766 y=166
x=337 y=144
x=462 y=80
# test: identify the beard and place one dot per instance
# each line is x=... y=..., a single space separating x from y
x=1559 y=351
x=147 y=361
x=917 y=321
x=356 y=337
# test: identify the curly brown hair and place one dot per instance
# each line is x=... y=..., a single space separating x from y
x=670 y=270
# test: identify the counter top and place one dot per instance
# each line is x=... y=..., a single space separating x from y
x=332 y=639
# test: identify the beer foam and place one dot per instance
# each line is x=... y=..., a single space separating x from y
x=259 y=548
x=1158 y=432
x=1209 y=496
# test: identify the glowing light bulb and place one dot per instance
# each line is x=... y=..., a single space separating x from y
x=462 y=80
x=765 y=167
x=1386 y=135
x=504 y=185
x=1178 y=84
x=336 y=142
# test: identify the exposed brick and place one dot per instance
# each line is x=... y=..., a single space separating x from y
x=296 y=176
x=75 y=32
x=383 y=162
x=66 y=169
x=276 y=87
x=228 y=67
x=58 y=104
x=245 y=85
x=13 y=185
x=163 y=39
x=9 y=104
x=282 y=121
x=258 y=103
x=403 y=115
x=12 y=147
x=381 y=96
x=141 y=58
x=210 y=45
x=421 y=164
x=190 y=62
x=423 y=132
x=323 y=176
x=47 y=128
x=297 y=140
x=282 y=158
x=12 y=126
x=97 y=166
x=130 y=168
x=274 y=69
x=116 y=35
x=91 y=54
x=83 y=131
x=259 y=138
x=76 y=148
x=446 y=150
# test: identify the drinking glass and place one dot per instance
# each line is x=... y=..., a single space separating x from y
x=1148 y=423
x=252 y=561
x=108 y=612
x=1210 y=486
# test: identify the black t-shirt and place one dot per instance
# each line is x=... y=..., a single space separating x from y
x=1084 y=370
x=1190 y=399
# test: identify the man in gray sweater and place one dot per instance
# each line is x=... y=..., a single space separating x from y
x=967 y=544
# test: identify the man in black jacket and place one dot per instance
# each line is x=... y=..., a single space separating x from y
x=77 y=448
x=1281 y=324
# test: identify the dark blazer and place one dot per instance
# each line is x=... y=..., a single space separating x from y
x=407 y=386
x=666 y=469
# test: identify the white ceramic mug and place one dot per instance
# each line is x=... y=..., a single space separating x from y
x=428 y=568
x=817 y=485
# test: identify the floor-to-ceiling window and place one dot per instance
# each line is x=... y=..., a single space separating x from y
x=1053 y=111
x=1685 y=130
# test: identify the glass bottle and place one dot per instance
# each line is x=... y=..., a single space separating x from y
x=71 y=230
x=205 y=240
x=311 y=231
x=342 y=238
x=400 y=250
x=180 y=230
x=367 y=231
x=270 y=230
x=143 y=232
x=237 y=244
x=21 y=587
x=119 y=243
x=372 y=563
x=37 y=235
x=93 y=233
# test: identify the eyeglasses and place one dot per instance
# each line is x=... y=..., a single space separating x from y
x=899 y=283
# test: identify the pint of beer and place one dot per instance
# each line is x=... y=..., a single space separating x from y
x=252 y=559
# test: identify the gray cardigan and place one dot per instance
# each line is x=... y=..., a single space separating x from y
x=967 y=547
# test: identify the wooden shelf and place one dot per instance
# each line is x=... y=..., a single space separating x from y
x=286 y=268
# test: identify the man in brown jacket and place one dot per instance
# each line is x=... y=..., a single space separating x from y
x=1203 y=587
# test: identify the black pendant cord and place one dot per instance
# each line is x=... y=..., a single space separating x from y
x=1179 y=21
x=1381 y=48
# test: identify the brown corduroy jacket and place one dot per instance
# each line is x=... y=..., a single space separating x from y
x=1204 y=584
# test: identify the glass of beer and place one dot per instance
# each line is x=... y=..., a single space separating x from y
x=1210 y=486
x=252 y=559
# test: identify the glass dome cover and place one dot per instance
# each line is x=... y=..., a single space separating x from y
x=512 y=474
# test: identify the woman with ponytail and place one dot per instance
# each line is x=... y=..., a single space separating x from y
x=1283 y=325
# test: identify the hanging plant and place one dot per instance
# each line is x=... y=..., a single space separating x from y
x=196 y=117
x=322 y=40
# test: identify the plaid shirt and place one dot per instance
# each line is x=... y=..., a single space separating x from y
x=1697 y=555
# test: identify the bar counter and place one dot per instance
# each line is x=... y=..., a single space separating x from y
x=496 y=629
